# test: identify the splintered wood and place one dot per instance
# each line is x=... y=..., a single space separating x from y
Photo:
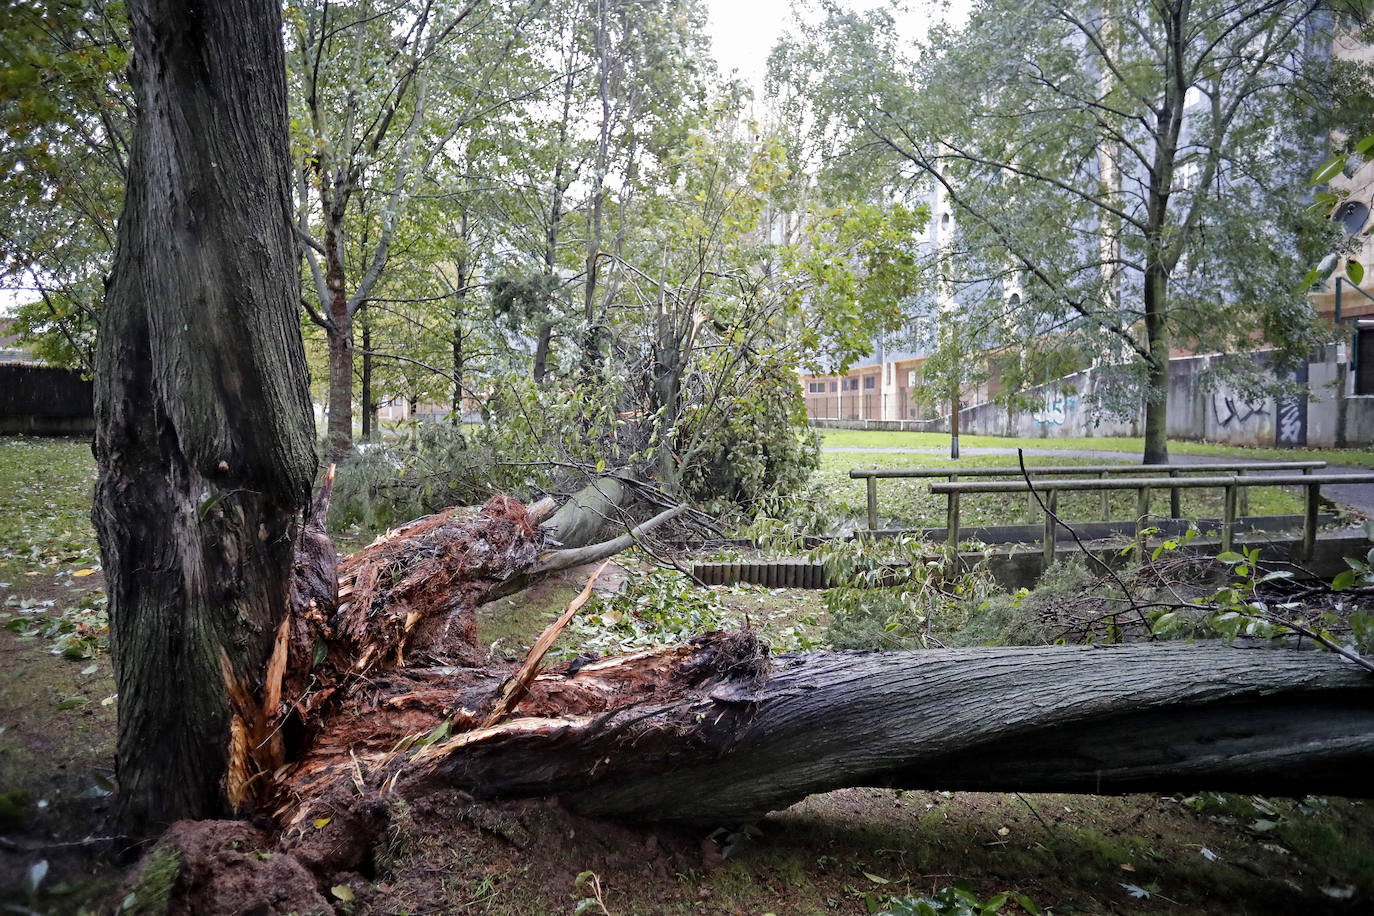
x=384 y=679
x=519 y=683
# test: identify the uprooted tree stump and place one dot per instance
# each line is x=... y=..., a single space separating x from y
x=380 y=690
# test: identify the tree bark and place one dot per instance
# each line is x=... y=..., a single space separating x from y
x=339 y=332
x=204 y=441
x=365 y=387
x=1156 y=397
x=578 y=521
x=1143 y=718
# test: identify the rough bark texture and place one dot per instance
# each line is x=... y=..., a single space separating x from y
x=1156 y=449
x=204 y=433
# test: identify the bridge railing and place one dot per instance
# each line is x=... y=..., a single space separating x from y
x=1231 y=485
x=873 y=475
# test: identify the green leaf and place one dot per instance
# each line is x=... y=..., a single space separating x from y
x=1343 y=580
x=1355 y=271
x=1364 y=145
x=342 y=892
x=1328 y=170
x=993 y=904
x=1025 y=903
x=1230 y=557
x=71 y=703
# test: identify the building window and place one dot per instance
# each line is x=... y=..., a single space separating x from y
x=816 y=388
x=833 y=386
x=870 y=381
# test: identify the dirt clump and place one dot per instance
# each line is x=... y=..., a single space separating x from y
x=206 y=868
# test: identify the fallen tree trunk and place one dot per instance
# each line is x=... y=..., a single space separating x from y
x=389 y=693
x=712 y=733
x=380 y=690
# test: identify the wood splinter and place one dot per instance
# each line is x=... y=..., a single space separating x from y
x=517 y=685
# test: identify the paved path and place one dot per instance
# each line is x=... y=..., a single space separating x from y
x=1357 y=495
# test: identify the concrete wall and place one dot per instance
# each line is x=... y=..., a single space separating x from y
x=1330 y=415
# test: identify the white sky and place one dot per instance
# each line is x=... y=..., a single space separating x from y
x=744 y=31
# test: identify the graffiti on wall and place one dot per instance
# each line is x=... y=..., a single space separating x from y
x=1234 y=411
x=1055 y=409
x=1290 y=422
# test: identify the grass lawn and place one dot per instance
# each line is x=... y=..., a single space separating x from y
x=860 y=438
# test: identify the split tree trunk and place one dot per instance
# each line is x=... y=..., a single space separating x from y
x=199 y=343
x=406 y=699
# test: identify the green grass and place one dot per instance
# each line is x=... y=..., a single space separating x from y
x=909 y=503
x=859 y=438
x=45 y=505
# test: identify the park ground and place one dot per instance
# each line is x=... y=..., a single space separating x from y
x=852 y=851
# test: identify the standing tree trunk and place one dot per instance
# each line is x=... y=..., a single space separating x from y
x=365 y=386
x=460 y=297
x=591 y=345
x=204 y=440
x=339 y=331
x=1156 y=371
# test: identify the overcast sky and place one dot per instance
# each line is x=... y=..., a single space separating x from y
x=744 y=31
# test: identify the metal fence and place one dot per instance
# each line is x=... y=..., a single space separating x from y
x=865 y=405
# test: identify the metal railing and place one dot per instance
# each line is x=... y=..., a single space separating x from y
x=1103 y=471
x=1231 y=486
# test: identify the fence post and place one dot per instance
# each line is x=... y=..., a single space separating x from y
x=1228 y=515
x=1142 y=517
x=1106 y=500
x=1309 y=520
x=1243 y=497
x=954 y=565
x=872 y=503
x=1051 y=509
x=1175 y=511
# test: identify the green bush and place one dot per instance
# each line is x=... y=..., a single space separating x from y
x=751 y=453
x=892 y=594
x=1028 y=618
x=431 y=467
